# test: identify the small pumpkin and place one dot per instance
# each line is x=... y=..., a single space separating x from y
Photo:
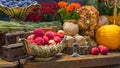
x=70 y=28
x=69 y=41
x=80 y=40
x=109 y=35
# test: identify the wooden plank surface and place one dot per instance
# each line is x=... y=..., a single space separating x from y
x=6 y=64
x=67 y=61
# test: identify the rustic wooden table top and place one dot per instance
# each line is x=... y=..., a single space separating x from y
x=6 y=64
x=67 y=61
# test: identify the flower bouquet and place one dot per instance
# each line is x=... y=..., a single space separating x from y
x=47 y=13
x=68 y=11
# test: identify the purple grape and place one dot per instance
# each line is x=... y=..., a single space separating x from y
x=14 y=5
x=3 y=1
x=6 y=4
x=20 y=3
x=24 y=5
x=29 y=2
x=10 y=6
x=0 y=2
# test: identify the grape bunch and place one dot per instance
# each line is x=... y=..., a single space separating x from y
x=19 y=3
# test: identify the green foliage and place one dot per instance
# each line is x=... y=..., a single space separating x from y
x=39 y=24
x=67 y=16
x=92 y=2
x=73 y=15
x=15 y=26
x=62 y=14
x=49 y=18
x=104 y=10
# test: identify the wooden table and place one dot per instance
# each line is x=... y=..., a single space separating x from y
x=112 y=60
x=6 y=64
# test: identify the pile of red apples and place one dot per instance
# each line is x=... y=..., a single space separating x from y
x=101 y=49
x=40 y=37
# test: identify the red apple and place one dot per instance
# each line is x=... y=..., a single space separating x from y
x=95 y=51
x=31 y=41
x=104 y=50
x=39 y=41
x=38 y=32
x=30 y=37
x=57 y=39
x=50 y=34
x=100 y=46
x=60 y=33
x=45 y=39
x=51 y=42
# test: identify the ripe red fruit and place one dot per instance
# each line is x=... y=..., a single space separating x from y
x=45 y=39
x=30 y=37
x=31 y=41
x=57 y=39
x=50 y=34
x=100 y=46
x=95 y=51
x=60 y=33
x=39 y=41
x=38 y=32
x=104 y=50
x=51 y=42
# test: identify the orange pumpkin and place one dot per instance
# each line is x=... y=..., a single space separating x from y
x=109 y=35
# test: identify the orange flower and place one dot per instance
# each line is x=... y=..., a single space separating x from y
x=62 y=4
x=68 y=8
x=74 y=6
x=70 y=11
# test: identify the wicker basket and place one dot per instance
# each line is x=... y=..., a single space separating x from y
x=43 y=53
x=82 y=50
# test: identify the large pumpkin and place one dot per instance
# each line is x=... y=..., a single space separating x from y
x=109 y=35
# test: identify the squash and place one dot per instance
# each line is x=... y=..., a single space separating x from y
x=70 y=28
x=80 y=40
x=109 y=35
x=69 y=41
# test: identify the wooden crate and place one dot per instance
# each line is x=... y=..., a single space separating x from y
x=13 y=52
x=2 y=41
x=9 y=38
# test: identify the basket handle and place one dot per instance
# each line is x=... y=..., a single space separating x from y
x=25 y=44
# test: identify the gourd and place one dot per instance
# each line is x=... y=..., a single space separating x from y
x=69 y=41
x=109 y=35
x=80 y=40
x=70 y=28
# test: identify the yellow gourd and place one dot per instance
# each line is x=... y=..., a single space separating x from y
x=109 y=35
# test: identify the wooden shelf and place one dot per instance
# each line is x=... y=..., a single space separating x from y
x=67 y=61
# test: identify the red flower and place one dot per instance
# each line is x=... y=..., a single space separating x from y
x=38 y=14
